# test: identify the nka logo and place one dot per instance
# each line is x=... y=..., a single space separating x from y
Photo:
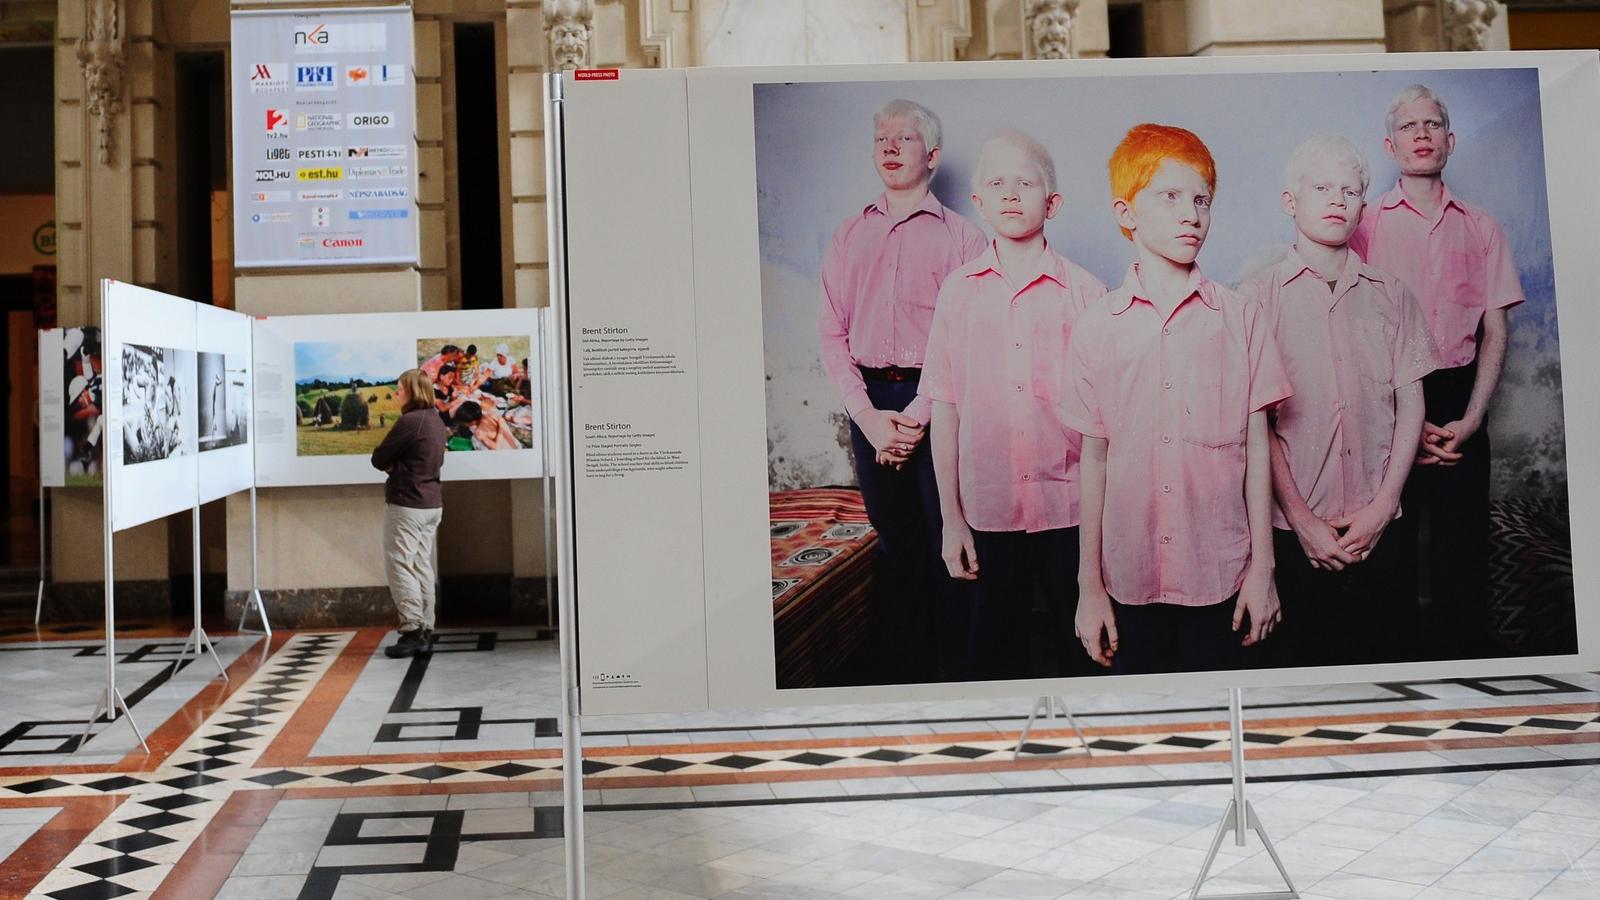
x=316 y=78
x=317 y=36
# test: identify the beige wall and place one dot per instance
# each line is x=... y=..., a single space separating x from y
x=20 y=216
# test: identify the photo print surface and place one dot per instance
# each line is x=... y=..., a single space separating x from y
x=83 y=376
x=345 y=394
x=931 y=253
x=155 y=403
x=482 y=389
x=223 y=402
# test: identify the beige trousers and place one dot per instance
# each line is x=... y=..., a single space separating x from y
x=408 y=562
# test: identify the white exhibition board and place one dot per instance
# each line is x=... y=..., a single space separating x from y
x=71 y=406
x=52 y=412
x=226 y=459
x=150 y=403
x=324 y=150
x=309 y=430
x=692 y=398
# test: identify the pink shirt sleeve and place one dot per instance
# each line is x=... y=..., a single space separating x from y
x=937 y=381
x=1414 y=352
x=833 y=330
x=1269 y=383
x=973 y=243
x=1501 y=287
x=1078 y=405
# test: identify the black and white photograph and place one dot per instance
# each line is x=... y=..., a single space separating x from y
x=223 y=402
x=154 y=401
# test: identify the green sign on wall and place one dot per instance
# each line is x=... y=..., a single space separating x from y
x=44 y=239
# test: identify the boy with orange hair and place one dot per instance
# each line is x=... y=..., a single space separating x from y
x=1169 y=379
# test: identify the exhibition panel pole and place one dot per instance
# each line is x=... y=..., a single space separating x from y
x=1048 y=705
x=197 y=636
x=44 y=559
x=571 y=712
x=1240 y=817
x=111 y=701
x=255 y=578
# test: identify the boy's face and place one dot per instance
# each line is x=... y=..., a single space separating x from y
x=901 y=156
x=1326 y=204
x=1419 y=142
x=1011 y=193
x=1171 y=215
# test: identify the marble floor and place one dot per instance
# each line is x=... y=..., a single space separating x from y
x=323 y=769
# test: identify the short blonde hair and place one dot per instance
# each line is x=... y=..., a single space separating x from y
x=1035 y=151
x=418 y=387
x=1410 y=95
x=1335 y=148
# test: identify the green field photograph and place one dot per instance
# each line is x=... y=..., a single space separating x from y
x=345 y=395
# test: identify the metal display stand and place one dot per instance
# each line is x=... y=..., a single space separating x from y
x=111 y=702
x=44 y=557
x=1240 y=817
x=1049 y=705
x=255 y=578
x=197 y=637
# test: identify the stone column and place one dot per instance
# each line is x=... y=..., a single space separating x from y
x=1446 y=25
x=1236 y=27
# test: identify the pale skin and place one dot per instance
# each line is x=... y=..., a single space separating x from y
x=1169 y=219
x=1014 y=200
x=1420 y=141
x=1326 y=206
x=904 y=163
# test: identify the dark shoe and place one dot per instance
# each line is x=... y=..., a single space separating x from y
x=410 y=644
x=428 y=637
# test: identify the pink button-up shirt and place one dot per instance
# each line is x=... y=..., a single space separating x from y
x=1346 y=349
x=998 y=351
x=1171 y=391
x=880 y=280
x=1458 y=264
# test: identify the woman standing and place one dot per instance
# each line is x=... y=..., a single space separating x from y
x=412 y=453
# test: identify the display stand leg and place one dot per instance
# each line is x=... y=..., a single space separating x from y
x=255 y=579
x=1049 y=705
x=44 y=559
x=197 y=637
x=1240 y=817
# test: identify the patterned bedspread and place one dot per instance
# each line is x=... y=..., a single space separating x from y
x=822 y=551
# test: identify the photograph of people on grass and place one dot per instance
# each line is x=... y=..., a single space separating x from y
x=481 y=389
x=344 y=395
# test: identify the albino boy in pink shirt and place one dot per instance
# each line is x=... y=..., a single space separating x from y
x=1356 y=346
x=1455 y=258
x=1169 y=379
x=880 y=280
x=1007 y=470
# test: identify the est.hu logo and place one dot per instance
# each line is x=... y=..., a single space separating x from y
x=313 y=36
x=320 y=173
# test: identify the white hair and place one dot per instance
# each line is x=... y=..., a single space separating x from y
x=1030 y=147
x=1333 y=148
x=1410 y=95
x=922 y=117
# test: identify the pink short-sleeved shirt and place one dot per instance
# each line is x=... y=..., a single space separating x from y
x=1346 y=350
x=998 y=351
x=1457 y=264
x=880 y=280
x=1171 y=391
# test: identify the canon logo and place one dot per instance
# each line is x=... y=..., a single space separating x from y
x=342 y=242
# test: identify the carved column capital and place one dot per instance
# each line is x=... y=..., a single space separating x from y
x=569 y=28
x=103 y=63
x=1466 y=23
x=1050 y=28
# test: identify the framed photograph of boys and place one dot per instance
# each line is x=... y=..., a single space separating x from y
x=1246 y=371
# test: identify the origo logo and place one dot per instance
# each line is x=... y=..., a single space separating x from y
x=372 y=120
x=316 y=78
x=330 y=37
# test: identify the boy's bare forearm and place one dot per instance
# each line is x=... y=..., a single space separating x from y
x=1409 y=409
x=1491 y=361
x=946 y=458
x=1284 y=488
x=1258 y=492
x=1091 y=508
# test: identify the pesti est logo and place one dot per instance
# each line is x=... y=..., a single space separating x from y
x=311 y=36
x=314 y=154
x=372 y=120
x=269 y=78
x=316 y=77
x=318 y=121
x=277 y=122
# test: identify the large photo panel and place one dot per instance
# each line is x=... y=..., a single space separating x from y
x=71 y=404
x=150 y=391
x=226 y=457
x=1462 y=564
x=325 y=392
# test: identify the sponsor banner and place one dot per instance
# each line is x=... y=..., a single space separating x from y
x=372 y=120
x=318 y=121
x=390 y=171
x=310 y=91
x=398 y=193
x=387 y=151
